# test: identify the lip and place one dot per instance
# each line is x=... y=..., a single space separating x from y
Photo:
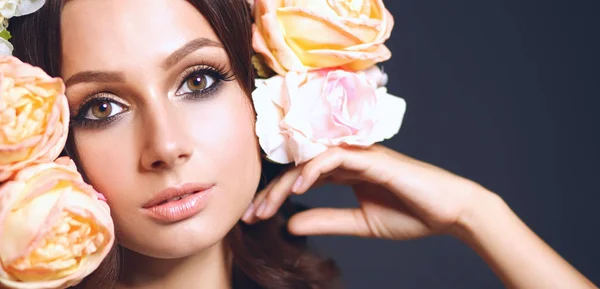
x=161 y=209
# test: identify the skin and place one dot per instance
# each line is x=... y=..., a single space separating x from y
x=402 y=198
x=163 y=140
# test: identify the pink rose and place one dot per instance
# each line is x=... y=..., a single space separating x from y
x=54 y=228
x=34 y=116
x=302 y=114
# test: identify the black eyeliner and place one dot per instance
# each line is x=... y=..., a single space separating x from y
x=79 y=119
x=95 y=124
x=218 y=73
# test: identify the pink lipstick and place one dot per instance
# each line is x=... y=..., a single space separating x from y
x=178 y=203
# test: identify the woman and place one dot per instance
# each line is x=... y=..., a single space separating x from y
x=159 y=94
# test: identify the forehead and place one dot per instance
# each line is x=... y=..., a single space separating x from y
x=121 y=34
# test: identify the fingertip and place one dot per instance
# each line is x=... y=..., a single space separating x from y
x=267 y=213
x=248 y=214
x=247 y=221
x=261 y=208
x=298 y=185
x=294 y=227
x=265 y=210
x=307 y=179
x=303 y=223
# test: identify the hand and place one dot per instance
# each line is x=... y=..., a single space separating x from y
x=400 y=198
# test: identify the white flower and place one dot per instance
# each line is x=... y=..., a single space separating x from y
x=5 y=47
x=376 y=74
x=28 y=6
x=12 y=8
x=3 y=23
x=300 y=115
x=8 y=8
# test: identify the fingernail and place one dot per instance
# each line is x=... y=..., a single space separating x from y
x=262 y=208
x=248 y=212
x=297 y=184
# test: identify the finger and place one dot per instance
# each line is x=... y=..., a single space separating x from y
x=342 y=177
x=329 y=221
x=274 y=198
x=377 y=165
x=249 y=216
x=352 y=222
x=326 y=163
x=268 y=201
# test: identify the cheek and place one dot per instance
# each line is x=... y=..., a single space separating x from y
x=108 y=169
x=225 y=138
x=228 y=130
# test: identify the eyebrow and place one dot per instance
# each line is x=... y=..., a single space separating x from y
x=95 y=76
x=114 y=76
x=188 y=48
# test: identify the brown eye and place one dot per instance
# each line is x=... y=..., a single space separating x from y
x=197 y=82
x=103 y=109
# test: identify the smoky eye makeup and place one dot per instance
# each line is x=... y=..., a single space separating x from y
x=202 y=81
x=198 y=82
x=98 y=111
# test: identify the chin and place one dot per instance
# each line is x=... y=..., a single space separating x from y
x=181 y=239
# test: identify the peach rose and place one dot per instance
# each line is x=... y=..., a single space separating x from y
x=54 y=229
x=300 y=35
x=300 y=115
x=34 y=116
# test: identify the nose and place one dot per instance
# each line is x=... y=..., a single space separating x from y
x=166 y=143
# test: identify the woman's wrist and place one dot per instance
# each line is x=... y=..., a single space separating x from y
x=512 y=250
x=484 y=209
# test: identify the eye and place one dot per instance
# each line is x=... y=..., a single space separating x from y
x=103 y=109
x=195 y=83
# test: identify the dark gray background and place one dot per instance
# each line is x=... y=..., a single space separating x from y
x=503 y=92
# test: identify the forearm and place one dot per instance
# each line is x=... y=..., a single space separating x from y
x=515 y=253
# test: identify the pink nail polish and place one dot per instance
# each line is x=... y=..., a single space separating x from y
x=262 y=208
x=248 y=212
x=297 y=184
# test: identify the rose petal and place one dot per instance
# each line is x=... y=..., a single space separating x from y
x=265 y=98
x=376 y=76
x=305 y=102
x=332 y=33
x=302 y=148
x=391 y=109
x=271 y=42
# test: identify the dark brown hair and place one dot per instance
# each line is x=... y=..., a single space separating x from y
x=265 y=255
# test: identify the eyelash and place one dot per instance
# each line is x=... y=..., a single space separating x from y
x=81 y=121
x=218 y=73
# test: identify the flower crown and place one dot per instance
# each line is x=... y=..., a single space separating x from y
x=314 y=91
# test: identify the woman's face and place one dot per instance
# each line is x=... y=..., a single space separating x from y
x=154 y=106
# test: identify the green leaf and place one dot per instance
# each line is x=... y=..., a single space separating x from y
x=5 y=34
